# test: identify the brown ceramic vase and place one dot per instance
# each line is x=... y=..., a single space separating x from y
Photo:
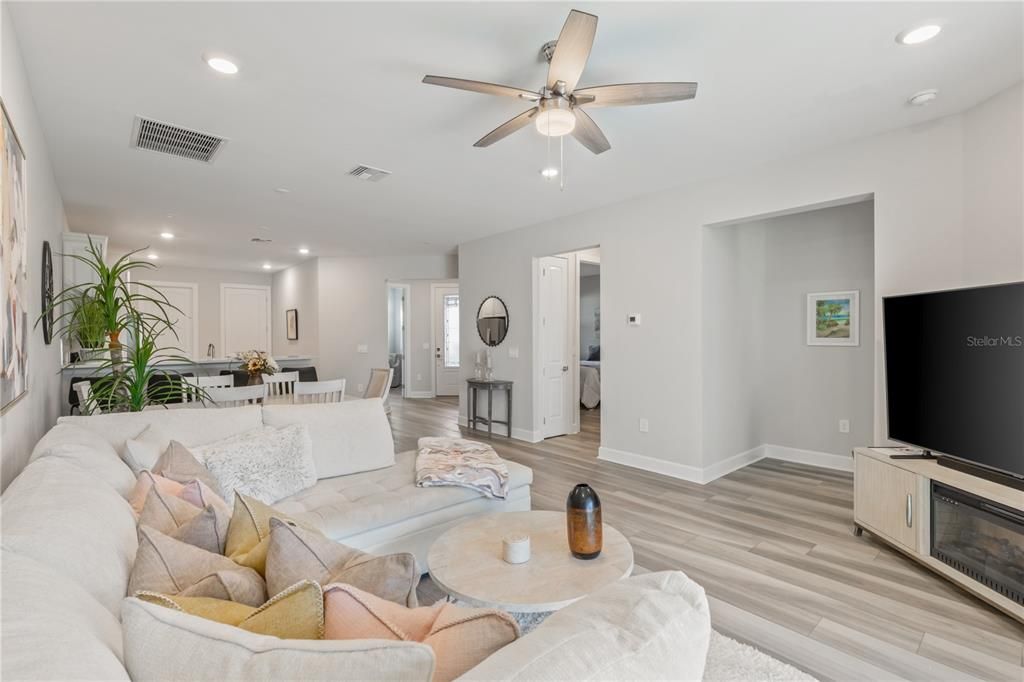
x=583 y=520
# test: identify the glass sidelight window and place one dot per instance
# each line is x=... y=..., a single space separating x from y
x=451 y=331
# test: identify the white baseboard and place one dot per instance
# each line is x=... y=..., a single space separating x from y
x=658 y=466
x=419 y=394
x=826 y=460
x=517 y=434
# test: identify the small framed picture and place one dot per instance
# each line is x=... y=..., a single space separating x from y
x=833 y=318
x=291 y=322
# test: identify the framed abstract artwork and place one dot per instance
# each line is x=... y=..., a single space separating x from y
x=291 y=323
x=14 y=322
x=833 y=318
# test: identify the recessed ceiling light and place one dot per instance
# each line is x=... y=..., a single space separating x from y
x=282 y=190
x=549 y=172
x=267 y=266
x=152 y=256
x=922 y=98
x=304 y=251
x=221 y=64
x=921 y=34
x=166 y=235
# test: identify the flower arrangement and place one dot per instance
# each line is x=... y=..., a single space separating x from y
x=256 y=363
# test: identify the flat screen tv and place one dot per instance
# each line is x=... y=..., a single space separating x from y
x=954 y=374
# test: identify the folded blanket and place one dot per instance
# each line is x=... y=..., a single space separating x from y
x=465 y=463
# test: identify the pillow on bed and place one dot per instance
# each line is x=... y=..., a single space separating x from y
x=595 y=353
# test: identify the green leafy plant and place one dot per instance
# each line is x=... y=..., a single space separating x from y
x=89 y=323
x=131 y=388
x=116 y=301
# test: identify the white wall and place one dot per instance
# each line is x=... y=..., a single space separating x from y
x=27 y=420
x=762 y=383
x=296 y=287
x=209 y=282
x=348 y=302
x=925 y=221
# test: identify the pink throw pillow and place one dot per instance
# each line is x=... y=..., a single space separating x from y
x=197 y=493
x=143 y=484
x=460 y=637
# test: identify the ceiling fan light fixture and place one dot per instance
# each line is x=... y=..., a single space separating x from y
x=555 y=118
x=549 y=173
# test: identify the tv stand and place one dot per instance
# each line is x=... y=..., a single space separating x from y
x=893 y=501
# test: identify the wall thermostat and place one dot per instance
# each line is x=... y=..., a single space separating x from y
x=633 y=319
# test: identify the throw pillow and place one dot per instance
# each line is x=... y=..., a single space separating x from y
x=268 y=464
x=297 y=612
x=156 y=639
x=169 y=566
x=202 y=495
x=460 y=637
x=249 y=532
x=348 y=437
x=143 y=451
x=144 y=483
x=178 y=464
x=296 y=554
x=206 y=528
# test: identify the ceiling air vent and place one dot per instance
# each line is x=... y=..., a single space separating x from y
x=260 y=240
x=369 y=173
x=175 y=140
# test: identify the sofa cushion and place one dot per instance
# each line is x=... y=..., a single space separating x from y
x=650 y=627
x=267 y=463
x=155 y=637
x=460 y=637
x=89 y=450
x=348 y=437
x=348 y=505
x=188 y=426
x=52 y=628
x=296 y=554
x=141 y=452
x=61 y=515
x=170 y=566
x=296 y=612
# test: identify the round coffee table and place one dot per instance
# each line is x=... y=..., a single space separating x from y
x=466 y=563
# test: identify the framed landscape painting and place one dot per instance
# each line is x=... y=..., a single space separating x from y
x=833 y=318
x=14 y=322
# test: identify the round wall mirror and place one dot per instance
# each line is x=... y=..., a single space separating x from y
x=492 y=321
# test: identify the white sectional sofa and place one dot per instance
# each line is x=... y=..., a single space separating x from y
x=69 y=541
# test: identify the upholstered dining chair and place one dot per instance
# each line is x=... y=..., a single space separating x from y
x=332 y=391
x=379 y=385
x=281 y=384
x=235 y=396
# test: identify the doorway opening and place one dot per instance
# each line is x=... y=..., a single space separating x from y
x=568 y=326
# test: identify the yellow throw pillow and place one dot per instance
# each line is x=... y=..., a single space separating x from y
x=296 y=613
x=249 y=532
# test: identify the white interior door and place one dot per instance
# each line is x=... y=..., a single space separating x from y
x=244 y=318
x=554 y=329
x=185 y=297
x=446 y=339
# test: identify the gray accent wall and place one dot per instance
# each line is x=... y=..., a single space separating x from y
x=763 y=384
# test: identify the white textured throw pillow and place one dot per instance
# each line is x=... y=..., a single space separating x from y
x=268 y=464
x=142 y=452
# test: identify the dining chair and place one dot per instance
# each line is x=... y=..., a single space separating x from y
x=379 y=385
x=281 y=384
x=236 y=396
x=191 y=392
x=331 y=391
x=87 y=404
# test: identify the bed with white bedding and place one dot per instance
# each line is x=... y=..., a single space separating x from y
x=590 y=383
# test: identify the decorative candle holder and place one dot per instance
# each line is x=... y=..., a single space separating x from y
x=516 y=548
x=583 y=521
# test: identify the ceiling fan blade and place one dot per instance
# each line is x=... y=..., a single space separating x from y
x=481 y=87
x=507 y=128
x=588 y=134
x=629 y=94
x=572 y=50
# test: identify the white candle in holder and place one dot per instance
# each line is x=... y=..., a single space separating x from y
x=516 y=549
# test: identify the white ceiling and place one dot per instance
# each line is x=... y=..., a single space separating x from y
x=324 y=87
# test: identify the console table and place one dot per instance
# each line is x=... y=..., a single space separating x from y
x=489 y=385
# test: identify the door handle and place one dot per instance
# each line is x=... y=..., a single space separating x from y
x=910 y=510
x=565 y=368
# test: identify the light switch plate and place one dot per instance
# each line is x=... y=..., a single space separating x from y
x=844 y=426
x=644 y=426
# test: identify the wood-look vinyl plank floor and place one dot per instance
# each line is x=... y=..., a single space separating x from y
x=772 y=545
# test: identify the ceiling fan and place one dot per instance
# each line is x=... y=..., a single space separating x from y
x=558 y=104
